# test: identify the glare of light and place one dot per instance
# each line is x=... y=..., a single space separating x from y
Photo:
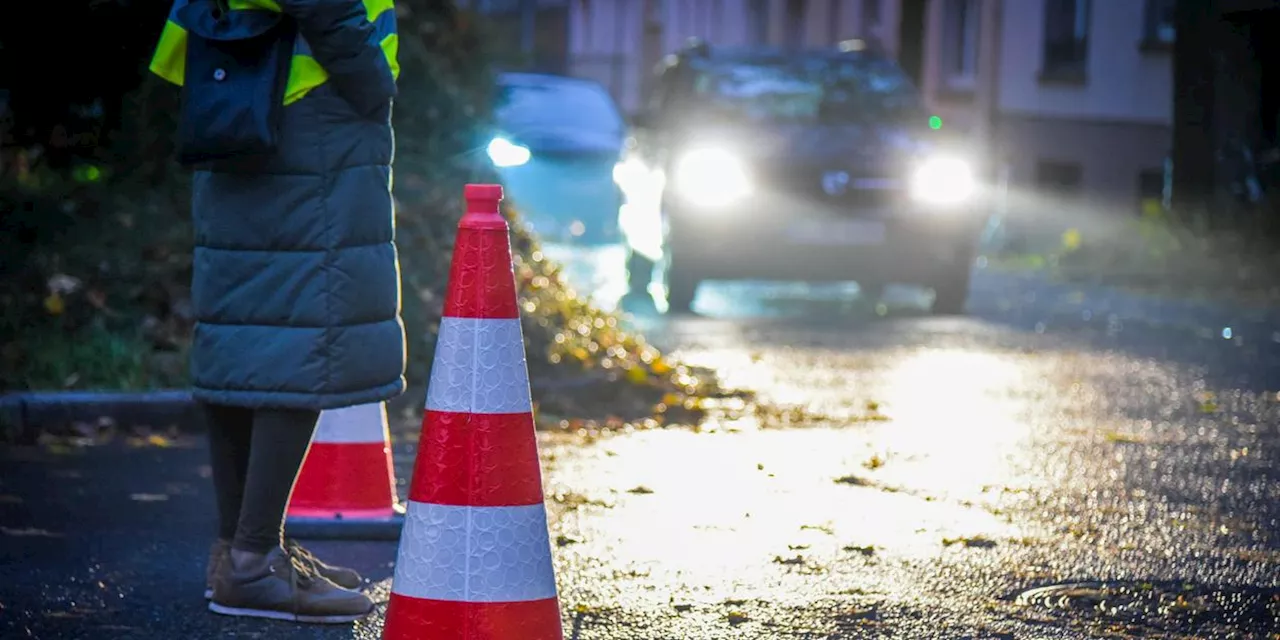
x=577 y=228
x=1226 y=333
x=947 y=405
x=629 y=174
x=711 y=177
x=505 y=153
x=943 y=181
x=642 y=228
x=935 y=122
x=640 y=215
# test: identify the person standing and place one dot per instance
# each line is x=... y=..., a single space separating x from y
x=296 y=282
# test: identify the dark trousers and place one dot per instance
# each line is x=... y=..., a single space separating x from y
x=256 y=455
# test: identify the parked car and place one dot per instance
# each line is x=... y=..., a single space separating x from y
x=557 y=142
x=784 y=165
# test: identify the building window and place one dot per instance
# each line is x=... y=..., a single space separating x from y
x=870 y=14
x=1066 y=39
x=794 y=36
x=758 y=22
x=1158 y=23
x=960 y=44
x=1060 y=179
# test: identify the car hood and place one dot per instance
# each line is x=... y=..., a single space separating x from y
x=563 y=139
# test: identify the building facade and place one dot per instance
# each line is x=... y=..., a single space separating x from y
x=620 y=42
x=1073 y=97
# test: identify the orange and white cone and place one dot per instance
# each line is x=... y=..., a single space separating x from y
x=475 y=558
x=347 y=485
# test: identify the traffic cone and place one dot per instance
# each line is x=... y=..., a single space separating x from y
x=475 y=560
x=347 y=486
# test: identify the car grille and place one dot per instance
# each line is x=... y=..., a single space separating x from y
x=855 y=192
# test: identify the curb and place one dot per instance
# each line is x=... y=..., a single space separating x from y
x=28 y=413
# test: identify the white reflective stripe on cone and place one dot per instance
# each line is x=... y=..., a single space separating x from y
x=479 y=367
x=360 y=424
x=474 y=554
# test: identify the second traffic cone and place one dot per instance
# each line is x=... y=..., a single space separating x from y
x=347 y=485
x=475 y=558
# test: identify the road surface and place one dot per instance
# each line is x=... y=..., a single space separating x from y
x=1060 y=464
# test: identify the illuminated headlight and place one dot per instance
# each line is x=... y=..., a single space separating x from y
x=943 y=181
x=711 y=177
x=629 y=174
x=505 y=153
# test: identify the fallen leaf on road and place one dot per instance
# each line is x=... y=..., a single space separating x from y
x=636 y=375
x=866 y=551
x=1124 y=438
x=818 y=527
x=574 y=500
x=975 y=542
x=640 y=490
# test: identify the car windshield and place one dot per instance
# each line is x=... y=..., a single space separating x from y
x=557 y=103
x=826 y=90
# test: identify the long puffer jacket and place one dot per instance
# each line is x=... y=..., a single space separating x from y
x=296 y=283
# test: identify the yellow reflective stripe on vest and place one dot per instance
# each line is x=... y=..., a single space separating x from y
x=170 y=60
x=305 y=72
x=269 y=5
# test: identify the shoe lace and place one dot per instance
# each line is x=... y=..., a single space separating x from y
x=300 y=573
x=300 y=553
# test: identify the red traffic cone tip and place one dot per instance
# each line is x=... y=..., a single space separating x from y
x=482 y=211
x=348 y=471
x=483 y=193
x=481 y=279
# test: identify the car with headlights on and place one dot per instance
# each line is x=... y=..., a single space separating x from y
x=795 y=165
x=557 y=141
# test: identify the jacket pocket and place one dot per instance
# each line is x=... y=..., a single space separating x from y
x=237 y=66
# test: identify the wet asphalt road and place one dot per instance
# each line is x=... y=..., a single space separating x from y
x=944 y=466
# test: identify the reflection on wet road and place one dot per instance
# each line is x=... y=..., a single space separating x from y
x=1055 y=436
x=1062 y=463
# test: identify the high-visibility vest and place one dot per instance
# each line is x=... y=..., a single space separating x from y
x=305 y=73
